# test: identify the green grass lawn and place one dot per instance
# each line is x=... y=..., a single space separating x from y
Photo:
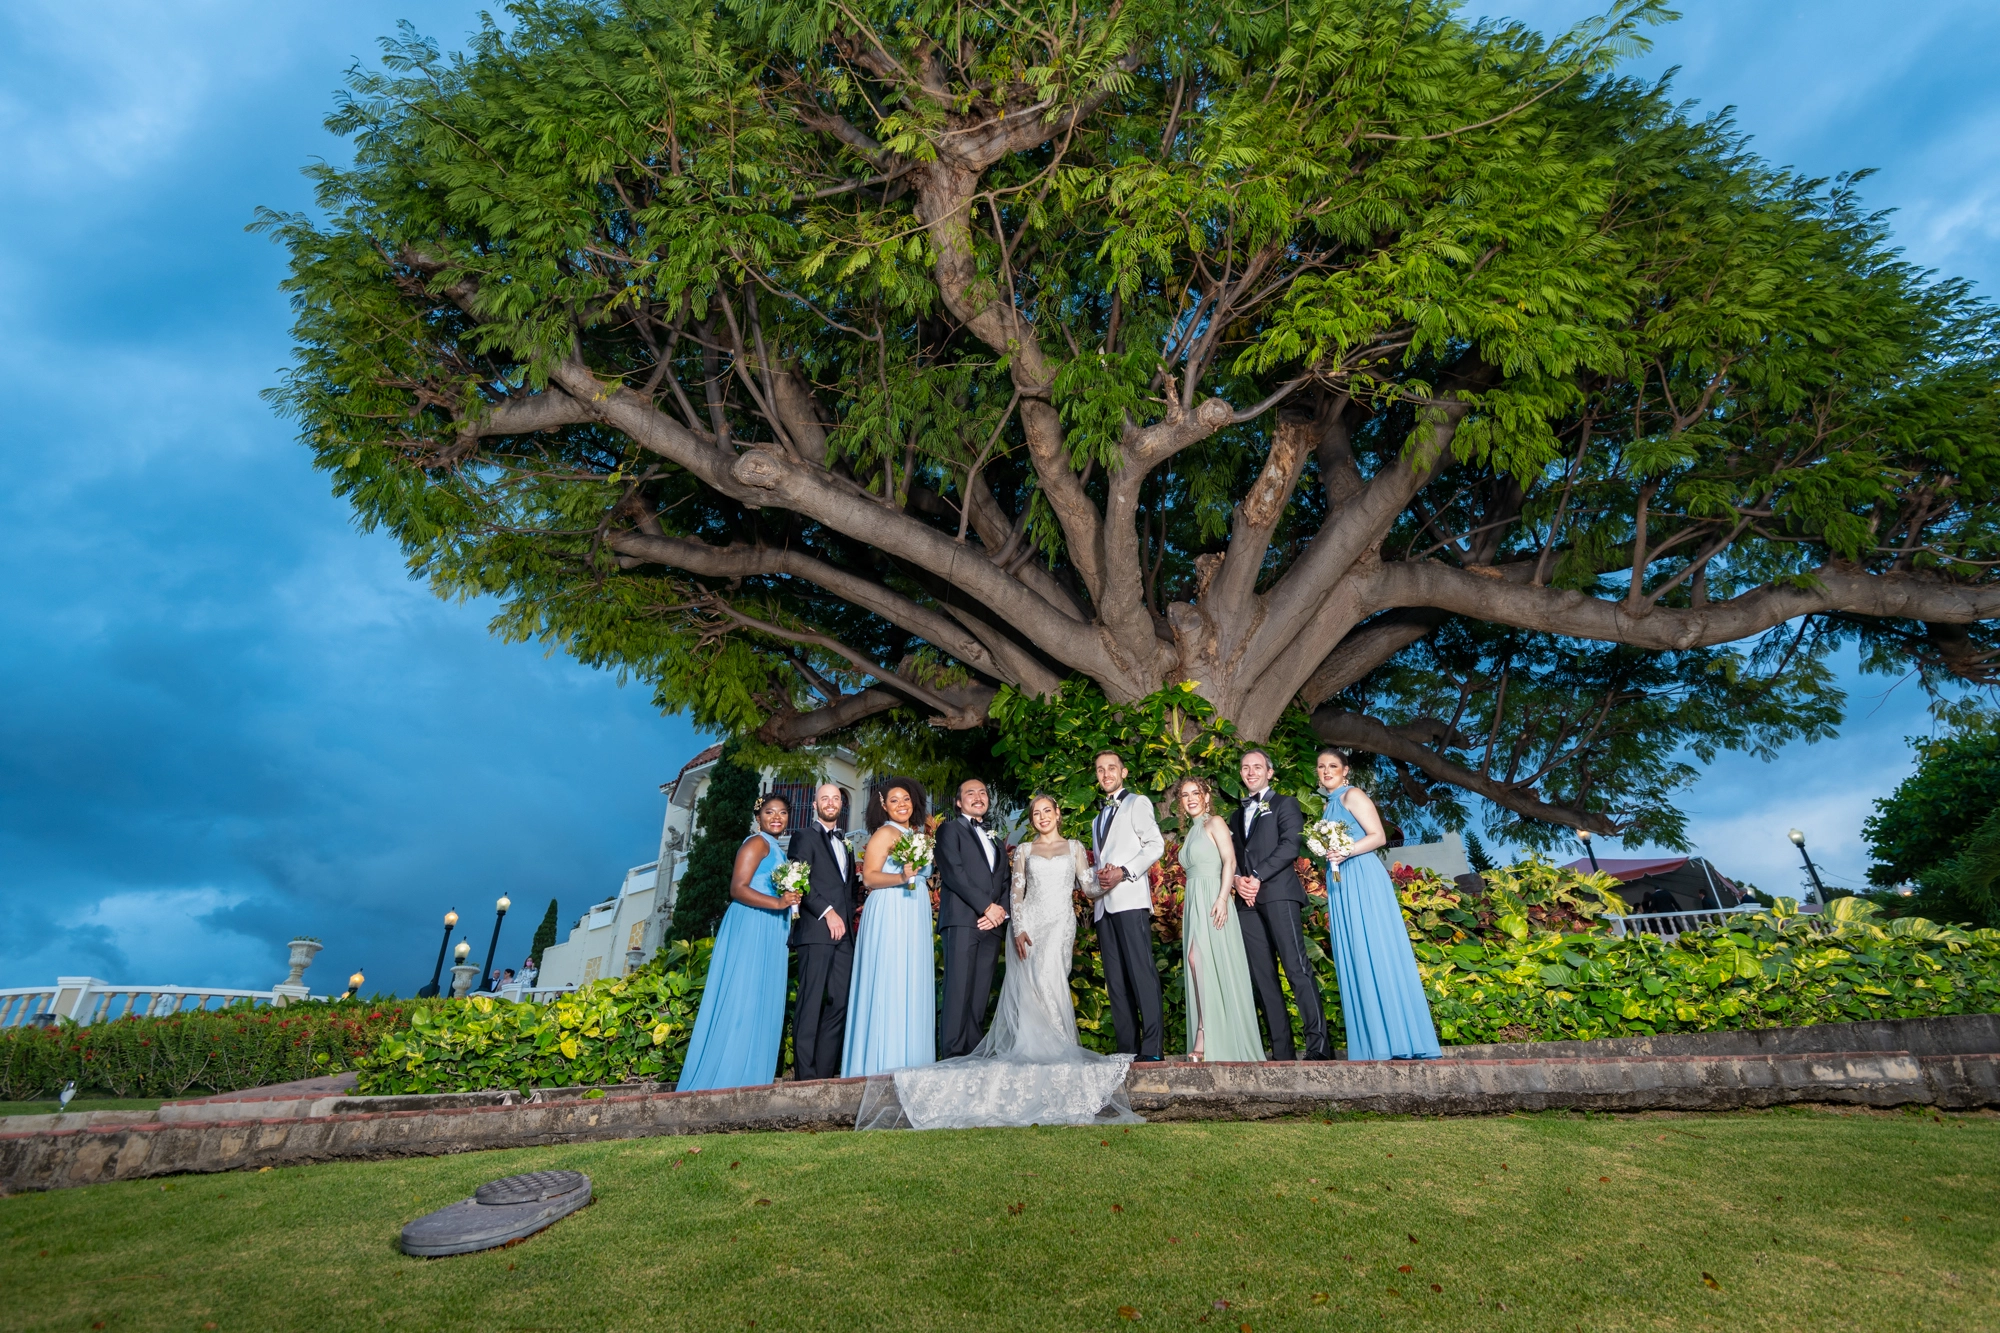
x=1779 y=1220
x=81 y=1104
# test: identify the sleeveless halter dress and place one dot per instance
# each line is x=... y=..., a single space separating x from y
x=1381 y=995
x=741 y=1026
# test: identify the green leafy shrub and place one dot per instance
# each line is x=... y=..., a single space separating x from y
x=196 y=1053
x=620 y=1030
x=1769 y=969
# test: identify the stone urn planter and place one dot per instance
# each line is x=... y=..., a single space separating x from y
x=462 y=978
x=302 y=955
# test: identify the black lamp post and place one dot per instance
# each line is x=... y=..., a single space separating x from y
x=450 y=920
x=500 y=914
x=1819 y=889
x=1582 y=835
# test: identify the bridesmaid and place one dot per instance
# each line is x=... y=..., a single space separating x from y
x=741 y=1025
x=1221 y=1007
x=892 y=998
x=1381 y=995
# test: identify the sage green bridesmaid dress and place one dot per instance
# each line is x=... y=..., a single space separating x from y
x=1220 y=1004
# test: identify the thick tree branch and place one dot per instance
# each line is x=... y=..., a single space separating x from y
x=1337 y=726
x=1892 y=596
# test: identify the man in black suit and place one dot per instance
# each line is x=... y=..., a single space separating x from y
x=1266 y=828
x=823 y=937
x=972 y=876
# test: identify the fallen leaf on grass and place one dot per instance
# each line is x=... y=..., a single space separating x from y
x=1173 y=1240
x=1436 y=1287
x=1402 y=1268
x=763 y=1203
x=1393 y=1292
x=1220 y=1305
x=1243 y=1328
x=1117 y=1207
x=1015 y=1209
x=262 y=1169
x=1708 y=1280
x=1604 y=1180
x=1413 y=1239
x=1320 y=1298
x=734 y=1165
x=1127 y=1312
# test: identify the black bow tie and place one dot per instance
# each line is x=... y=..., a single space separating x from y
x=975 y=821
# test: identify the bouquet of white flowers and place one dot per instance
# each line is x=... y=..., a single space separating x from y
x=793 y=877
x=913 y=851
x=1326 y=837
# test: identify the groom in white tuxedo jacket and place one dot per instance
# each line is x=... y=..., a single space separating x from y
x=1127 y=841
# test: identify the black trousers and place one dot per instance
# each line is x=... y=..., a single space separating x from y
x=1125 y=939
x=820 y=1024
x=969 y=954
x=1272 y=935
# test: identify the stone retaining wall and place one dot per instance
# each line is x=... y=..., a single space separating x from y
x=1957 y=1067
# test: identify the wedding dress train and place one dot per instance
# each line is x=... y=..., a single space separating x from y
x=1029 y=1069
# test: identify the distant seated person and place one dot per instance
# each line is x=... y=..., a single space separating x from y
x=507 y=977
x=1659 y=900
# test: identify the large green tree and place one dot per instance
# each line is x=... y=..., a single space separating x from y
x=838 y=366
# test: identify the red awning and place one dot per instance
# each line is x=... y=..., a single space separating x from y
x=1628 y=868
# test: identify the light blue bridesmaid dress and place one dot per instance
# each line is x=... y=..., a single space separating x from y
x=1381 y=995
x=741 y=1026
x=892 y=996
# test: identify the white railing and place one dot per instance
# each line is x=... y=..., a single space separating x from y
x=86 y=1000
x=19 y=1004
x=1672 y=925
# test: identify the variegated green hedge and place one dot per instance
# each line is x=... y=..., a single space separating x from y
x=1774 y=969
x=621 y=1030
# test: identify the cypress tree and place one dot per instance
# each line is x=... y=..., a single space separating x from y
x=545 y=935
x=723 y=817
x=1475 y=852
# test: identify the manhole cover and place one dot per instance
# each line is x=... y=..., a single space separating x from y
x=532 y=1188
x=500 y=1211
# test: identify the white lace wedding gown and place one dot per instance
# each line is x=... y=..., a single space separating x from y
x=1029 y=1069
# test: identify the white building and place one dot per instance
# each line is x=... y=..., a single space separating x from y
x=622 y=932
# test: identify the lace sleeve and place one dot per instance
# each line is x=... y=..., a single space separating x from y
x=1019 y=891
x=1084 y=879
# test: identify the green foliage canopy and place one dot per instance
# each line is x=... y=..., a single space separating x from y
x=835 y=367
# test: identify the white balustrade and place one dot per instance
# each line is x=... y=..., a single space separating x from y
x=86 y=1000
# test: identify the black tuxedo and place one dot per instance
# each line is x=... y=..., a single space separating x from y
x=967 y=886
x=1273 y=930
x=825 y=966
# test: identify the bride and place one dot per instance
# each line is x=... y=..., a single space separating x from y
x=1029 y=1069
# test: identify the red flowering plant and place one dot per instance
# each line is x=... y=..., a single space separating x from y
x=1169 y=878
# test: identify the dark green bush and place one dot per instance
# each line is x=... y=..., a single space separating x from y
x=194 y=1054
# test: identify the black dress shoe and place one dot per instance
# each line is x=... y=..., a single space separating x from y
x=1146 y=1060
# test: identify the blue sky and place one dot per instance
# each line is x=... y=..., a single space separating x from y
x=230 y=718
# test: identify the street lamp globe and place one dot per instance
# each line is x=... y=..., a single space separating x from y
x=1584 y=834
x=354 y=982
x=461 y=951
x=450 y=919
x=1798 y=838
x=504 y=903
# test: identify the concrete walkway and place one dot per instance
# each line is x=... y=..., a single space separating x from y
x=1951 y=1063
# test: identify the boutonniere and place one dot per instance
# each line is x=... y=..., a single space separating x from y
x=1263 y=807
